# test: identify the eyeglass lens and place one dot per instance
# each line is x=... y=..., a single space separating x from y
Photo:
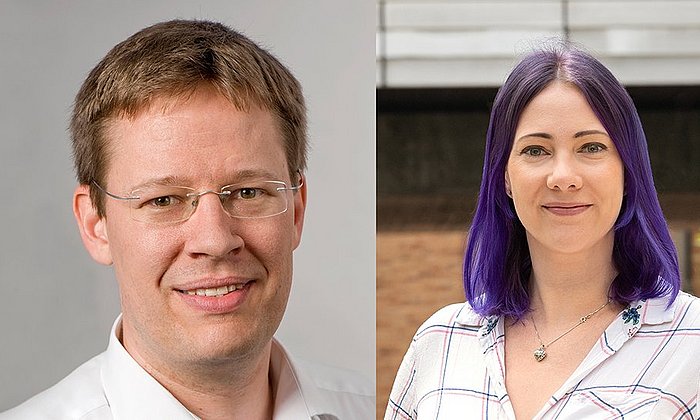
x=164 y=204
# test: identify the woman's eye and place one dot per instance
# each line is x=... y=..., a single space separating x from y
x=533 y=151
x=593 y=148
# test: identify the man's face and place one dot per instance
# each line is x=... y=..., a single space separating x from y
x=202 y=142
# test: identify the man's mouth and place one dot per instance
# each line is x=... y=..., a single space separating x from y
x=215 y=291
x=216 y=296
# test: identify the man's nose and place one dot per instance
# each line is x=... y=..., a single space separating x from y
x=212 y=231
x=565 y=174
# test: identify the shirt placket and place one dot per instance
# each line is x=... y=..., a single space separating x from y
x=491 y=338
x=613 y=338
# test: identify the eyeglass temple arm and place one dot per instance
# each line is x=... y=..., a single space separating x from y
x=116 y=197
x=301 y=182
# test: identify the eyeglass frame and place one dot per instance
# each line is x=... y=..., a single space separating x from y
x=221 y=194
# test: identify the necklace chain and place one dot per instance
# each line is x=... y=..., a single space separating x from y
x=541 y=352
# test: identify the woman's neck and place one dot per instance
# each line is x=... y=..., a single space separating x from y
x=566 y=286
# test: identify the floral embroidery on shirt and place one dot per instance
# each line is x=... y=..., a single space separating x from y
x=490 y=325
x=631 y=315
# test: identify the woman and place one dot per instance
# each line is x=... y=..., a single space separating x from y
x=573 y=306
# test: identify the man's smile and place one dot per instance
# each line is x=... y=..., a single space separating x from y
x=214 y=291
x=216 y=300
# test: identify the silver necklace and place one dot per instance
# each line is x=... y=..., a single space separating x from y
x=541 y=352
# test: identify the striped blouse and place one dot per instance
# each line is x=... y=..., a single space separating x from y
x=646 y=365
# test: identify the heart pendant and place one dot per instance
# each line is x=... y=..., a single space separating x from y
x=540 y=354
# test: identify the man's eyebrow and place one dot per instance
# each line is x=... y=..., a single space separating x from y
x=246 y=174
x=238 y=176
x=590 y=132
x=165 y=180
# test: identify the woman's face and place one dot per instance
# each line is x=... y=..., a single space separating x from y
x=564 y=173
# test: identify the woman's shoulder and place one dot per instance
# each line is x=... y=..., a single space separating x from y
x=658 y=315
x=455 y=331
x=688 y=306
x=456 y=316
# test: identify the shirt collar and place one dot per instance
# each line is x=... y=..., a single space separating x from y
x=651 y=312
x=655 y=311
x=132 y=393
x=297 y=395
x=466 y=316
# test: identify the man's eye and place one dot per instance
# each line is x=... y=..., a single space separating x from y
x=248 y=193
x=164 y=201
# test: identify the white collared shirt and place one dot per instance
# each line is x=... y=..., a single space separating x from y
x=112 y=385
x=646 y=365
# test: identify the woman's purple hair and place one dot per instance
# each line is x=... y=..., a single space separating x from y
x=497 y=264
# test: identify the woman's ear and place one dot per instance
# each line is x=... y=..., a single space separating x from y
x=509 y=193
x=93 y=230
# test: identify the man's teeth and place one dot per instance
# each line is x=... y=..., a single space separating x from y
x=215 y=291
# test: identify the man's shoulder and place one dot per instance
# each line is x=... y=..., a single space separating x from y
x=333 y=379
x=80 y=395
x=333 y=391
x=350 y=394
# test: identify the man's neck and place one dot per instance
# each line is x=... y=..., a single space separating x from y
x=242 y=397
x=240 y=389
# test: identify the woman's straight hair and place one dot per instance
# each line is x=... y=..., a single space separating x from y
x=497 y=264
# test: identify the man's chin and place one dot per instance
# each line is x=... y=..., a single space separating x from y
x=225 y=357
x=226 y=344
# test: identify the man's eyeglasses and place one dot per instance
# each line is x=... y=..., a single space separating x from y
x=161 y=204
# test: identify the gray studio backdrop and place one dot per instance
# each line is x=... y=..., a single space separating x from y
x=58 y=305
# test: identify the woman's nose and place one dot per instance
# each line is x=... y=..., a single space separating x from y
x=565 y=175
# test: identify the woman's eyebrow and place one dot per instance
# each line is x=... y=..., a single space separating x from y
x=590 y=132
x=539 y=135
x=548 y=136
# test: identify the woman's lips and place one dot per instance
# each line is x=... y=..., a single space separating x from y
x=566 y=209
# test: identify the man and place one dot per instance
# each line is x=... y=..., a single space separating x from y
x=190 y=148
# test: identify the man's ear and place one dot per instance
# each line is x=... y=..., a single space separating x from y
x=93 y=230
x=299 y=209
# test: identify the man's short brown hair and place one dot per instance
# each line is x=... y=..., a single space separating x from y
x=173 y=59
